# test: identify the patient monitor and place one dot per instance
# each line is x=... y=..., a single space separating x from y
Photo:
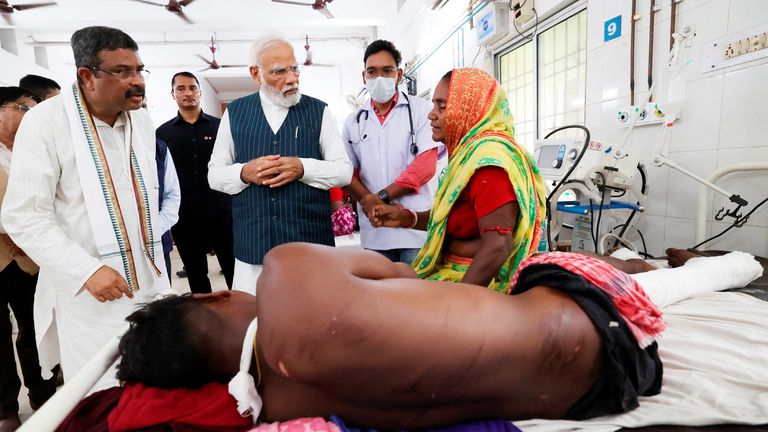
x=585 y=178
x=555 y=157
x=601 y=164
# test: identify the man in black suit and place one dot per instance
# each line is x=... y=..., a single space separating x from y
x=205 y=215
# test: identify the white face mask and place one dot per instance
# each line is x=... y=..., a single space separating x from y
x=381 y=89
x=241 y=386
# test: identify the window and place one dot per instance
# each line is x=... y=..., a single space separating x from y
x=562 y=73
x=517 y=80
x=557 y=57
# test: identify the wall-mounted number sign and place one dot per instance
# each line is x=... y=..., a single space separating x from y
x=612 y=29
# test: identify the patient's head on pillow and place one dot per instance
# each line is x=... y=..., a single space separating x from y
x=166 y=345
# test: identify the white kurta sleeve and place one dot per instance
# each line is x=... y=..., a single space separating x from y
x=346 y=138
x=335 y=170
x=169 y=211
x=223 y=172
x=28 y=209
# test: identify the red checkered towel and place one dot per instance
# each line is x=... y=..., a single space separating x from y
x=642 y=316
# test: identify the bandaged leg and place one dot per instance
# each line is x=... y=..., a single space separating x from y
x=698 y=276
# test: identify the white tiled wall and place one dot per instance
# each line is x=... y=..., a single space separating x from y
x=704 y=101
x=653 y=228
x=750 y=186
x=723 y=120
x=749 y=238
x=658 y=181
x=744 y=108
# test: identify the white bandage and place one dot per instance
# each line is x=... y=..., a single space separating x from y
x=242 y=386
x=625 y=254
x=699 y=275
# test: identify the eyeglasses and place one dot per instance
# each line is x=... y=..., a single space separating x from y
x=282 y=71
x=21 y=107
x=123 y=74
x=386 y=71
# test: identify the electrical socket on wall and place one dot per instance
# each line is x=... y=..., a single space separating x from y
x=652 y=113
x=746 y=45
x=735 y=49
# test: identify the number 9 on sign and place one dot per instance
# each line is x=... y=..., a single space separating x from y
x=612 y=28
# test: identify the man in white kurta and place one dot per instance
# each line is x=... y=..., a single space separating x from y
x=83 y=293
x=273 y=66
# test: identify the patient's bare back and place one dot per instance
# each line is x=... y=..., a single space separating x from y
x=389 y=351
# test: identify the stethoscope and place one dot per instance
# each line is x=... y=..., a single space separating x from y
x=362 y=135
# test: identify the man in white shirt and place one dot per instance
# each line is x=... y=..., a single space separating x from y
x=389 y=141
x=277 y=152
x=82 y=202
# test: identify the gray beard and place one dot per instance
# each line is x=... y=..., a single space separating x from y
x=277 y=97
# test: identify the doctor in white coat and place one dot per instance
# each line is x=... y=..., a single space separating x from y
x=389 y=141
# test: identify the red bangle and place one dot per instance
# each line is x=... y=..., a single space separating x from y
x=500 y=230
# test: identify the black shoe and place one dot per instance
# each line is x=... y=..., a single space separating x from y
x=40 y=394
x=36 y=403
x=37 y=399
x=182 y=273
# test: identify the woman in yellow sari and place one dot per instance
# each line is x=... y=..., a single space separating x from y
x=490 y=205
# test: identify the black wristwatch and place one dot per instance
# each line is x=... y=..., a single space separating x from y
x=384 y=196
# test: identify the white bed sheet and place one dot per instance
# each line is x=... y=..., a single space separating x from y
x=715 y=355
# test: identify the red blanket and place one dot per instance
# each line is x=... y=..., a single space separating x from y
x=208 y=408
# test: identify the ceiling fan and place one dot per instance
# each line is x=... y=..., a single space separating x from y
x=173 y=6
x=318 y=5
x=213 y=64
x=308 y=59
x=6 y=9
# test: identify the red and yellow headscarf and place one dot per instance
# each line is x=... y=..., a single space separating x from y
x=479 y=131
x=476 y=105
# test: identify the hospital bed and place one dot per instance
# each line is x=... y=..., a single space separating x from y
x=715 y=355
x=701 y=214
